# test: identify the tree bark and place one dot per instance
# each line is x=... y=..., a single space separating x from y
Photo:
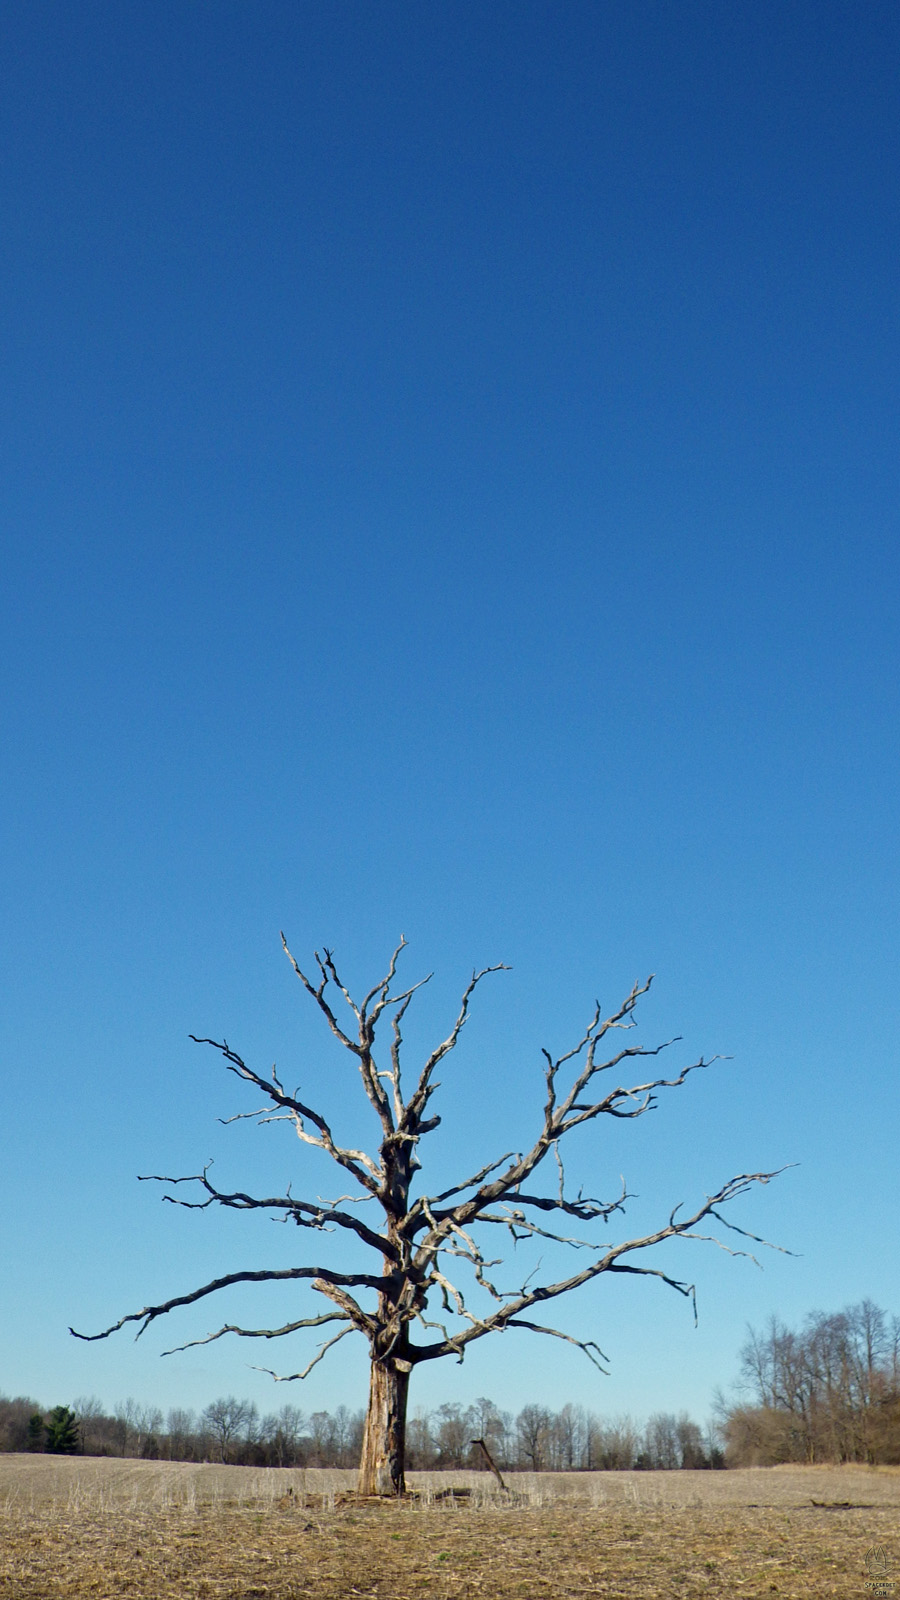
x=381 y=1468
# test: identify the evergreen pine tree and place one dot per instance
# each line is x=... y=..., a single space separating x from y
x=62 y=1432
x=36 y=1431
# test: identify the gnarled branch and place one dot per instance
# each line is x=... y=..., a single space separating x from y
x=609 y=1261
x=322 y=1278
x=303 y=1212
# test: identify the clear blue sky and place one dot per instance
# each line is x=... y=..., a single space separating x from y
x=449 y=486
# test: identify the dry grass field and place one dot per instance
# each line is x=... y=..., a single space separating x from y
x=160 y=1531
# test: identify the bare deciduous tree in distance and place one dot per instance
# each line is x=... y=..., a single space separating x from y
x=420 y=1240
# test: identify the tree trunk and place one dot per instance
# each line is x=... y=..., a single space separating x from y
x=381 y=1469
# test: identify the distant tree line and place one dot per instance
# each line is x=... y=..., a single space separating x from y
x=23 y=1426
x=232 y=1430
x=826 y=1392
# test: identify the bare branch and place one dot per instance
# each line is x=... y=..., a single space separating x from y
x=425 y=1087
x=585 y=1208
x=317 y=992
x=381 y=988
x=587 y=1345
x=396 y=1046
x=609 y=1261
x=561 y=1170
x=260 y=1333
x=569 y=1114
x=335 y=1289
x=329 y=966
x=755 y=1236
x=520 y=1228
x=491 y=1463
x=361 y=1048
x=291 y=1377
x=302 y=1212
x=356 y=1162
x=323 y=1279
x=469 y=1183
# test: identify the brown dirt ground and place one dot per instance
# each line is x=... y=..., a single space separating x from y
x=152 y=1531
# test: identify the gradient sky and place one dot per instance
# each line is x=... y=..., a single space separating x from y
x=449 y=487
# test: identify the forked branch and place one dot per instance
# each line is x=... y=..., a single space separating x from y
x=329 y=1281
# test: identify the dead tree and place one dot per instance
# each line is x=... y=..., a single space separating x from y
x=419 y=1241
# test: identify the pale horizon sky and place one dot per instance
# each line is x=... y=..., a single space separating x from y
x=449 y=487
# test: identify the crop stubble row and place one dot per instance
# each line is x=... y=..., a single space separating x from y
x=312 y=1548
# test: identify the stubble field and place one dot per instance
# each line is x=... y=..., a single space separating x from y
x=176 y=1531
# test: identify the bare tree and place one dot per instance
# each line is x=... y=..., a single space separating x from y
x=283 y=1434
x=420 y=1241
x=135 y=1423
x=16 y=1429
x=321 y=1433
x=91 y=1419
x=491 y=1425
x=619 y=1444
x=420 y=1447
x=181 y=1425
x=690 y=1443
x=229 y=1420
x=828 y=1392
x=453 y=1427
x=661 y=1452
x=346 y=1435
x=568 y=1437
x=533 y=1430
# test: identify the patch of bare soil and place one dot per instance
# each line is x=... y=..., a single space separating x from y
x=153 y=1531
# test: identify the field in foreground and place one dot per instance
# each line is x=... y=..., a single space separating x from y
x=102 y=1528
